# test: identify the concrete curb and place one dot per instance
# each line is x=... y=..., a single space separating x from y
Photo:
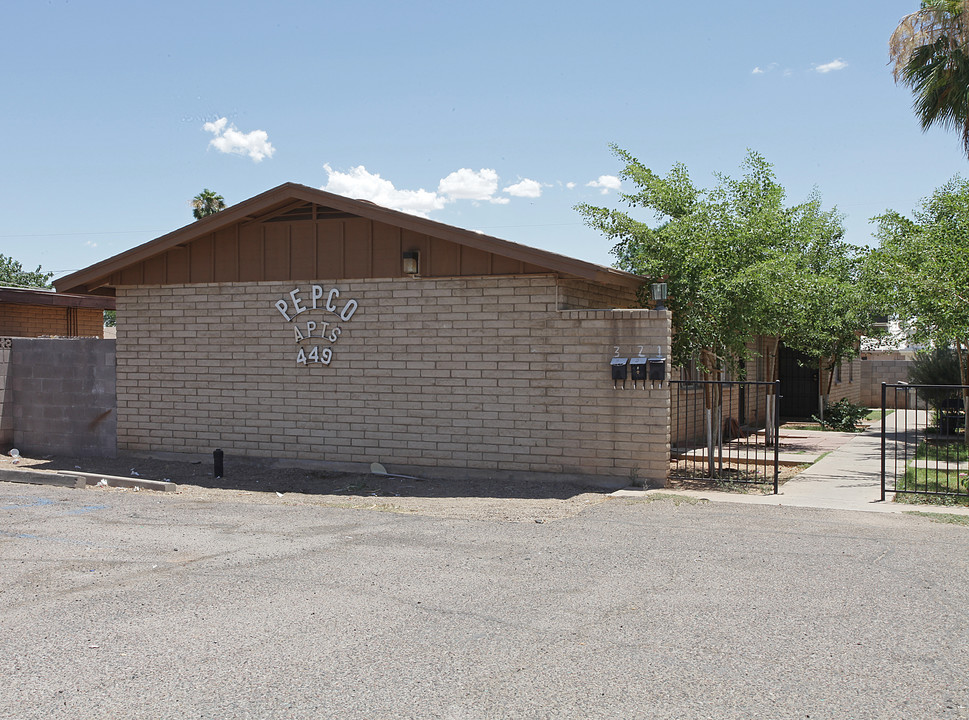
x=80 y=480
x=127 y=482
x=33 y=477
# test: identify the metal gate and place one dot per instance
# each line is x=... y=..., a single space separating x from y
x=725 y=431
x=924 y=451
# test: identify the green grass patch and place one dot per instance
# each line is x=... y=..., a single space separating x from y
x=817 y=427
x=876 y=414
x=942 y=451
x=947 y=518
x=951 y=485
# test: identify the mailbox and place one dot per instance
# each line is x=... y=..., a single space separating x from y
x=657 y=370
x=619 y=368
x=637 y=367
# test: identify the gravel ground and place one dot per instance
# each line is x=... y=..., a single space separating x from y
x=166 y=606
x=253 y=480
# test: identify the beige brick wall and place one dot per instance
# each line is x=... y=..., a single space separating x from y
x=851 y=386
x=483 y=374
x=582 y=295
x=35 y=320
x=90 y=322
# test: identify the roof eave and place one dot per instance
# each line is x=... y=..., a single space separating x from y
x=90 y=279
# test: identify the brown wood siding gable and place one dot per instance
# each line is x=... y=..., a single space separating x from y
x=294 y=232
x=352 y=248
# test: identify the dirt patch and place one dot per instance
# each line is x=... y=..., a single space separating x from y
x=680 y=479
x=265 y=481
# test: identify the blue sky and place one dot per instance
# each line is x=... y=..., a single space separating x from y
x=116 y=114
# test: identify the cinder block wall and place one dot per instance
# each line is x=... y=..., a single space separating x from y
x=36 y=320
x=487 y=375
x=6 y=396
x=879 y=367
x=62 y=392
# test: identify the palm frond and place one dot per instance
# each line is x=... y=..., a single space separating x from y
x=937 y=20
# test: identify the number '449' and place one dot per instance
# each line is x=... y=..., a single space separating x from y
x=315 y=355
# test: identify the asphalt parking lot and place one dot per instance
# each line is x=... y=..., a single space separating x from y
x=154 y=605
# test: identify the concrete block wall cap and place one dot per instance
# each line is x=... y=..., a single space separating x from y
x=128 y=482
x=36 y=477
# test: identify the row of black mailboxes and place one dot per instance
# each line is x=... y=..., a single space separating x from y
x=642 y=370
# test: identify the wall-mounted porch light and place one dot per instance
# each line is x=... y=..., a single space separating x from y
x=659 y=294
x=411 y=262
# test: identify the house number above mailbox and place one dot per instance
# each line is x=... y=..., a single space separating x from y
x=324 y=329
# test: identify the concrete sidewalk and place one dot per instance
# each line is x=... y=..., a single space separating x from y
x=847 y=478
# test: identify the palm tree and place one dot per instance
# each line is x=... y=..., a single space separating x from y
x=207 y=203
x=930 y=50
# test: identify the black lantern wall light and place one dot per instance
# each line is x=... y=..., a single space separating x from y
x=411 y=263
x=659 y=295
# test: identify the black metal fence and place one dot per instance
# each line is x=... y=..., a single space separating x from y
x=725 y=431
x=924 y=451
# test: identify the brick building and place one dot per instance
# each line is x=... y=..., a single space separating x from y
x=304 y=325
x=35 y=312
x=46 y=391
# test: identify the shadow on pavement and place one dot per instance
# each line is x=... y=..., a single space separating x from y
x=268 y=476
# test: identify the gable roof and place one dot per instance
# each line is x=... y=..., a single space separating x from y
x=290 y=202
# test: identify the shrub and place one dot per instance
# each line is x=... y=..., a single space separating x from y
x=843 y=416
x=938 y=366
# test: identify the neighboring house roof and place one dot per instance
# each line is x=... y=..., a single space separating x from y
x=896 y=339
x=230 y=230
x=41 y=296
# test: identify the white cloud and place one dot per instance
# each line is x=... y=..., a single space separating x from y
x=605 y=183
x=756 y=71
x=215 y=126
x=90 y=244
x=230 y=139
x=362 y=185
x=838 y=64
x=526 y=189
x=762 y=70
x=570 y=185
x=466 y=184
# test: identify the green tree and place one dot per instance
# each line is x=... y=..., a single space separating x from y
x=807 y=293
x=930 y=52
x=831 y=305
x=207 y=203
x=924 y=270
x=12 y=274
x=702 y=246
x=739 y=264
x=935 y=366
